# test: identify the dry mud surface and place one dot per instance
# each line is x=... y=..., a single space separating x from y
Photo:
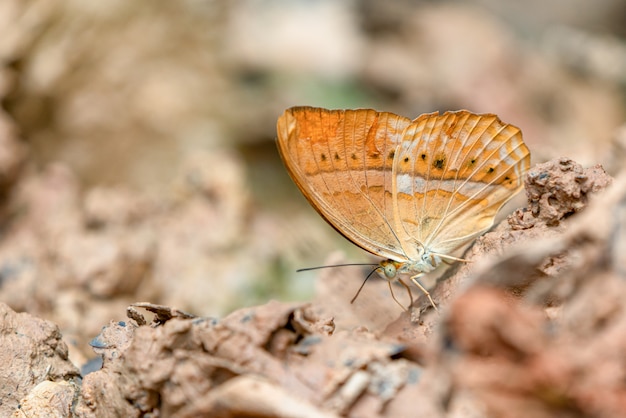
x=138 y=168
x=533 y=325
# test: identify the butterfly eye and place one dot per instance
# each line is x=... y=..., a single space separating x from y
x=390 y=271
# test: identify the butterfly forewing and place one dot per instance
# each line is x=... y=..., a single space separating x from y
x=454 y=171
x=342 y=161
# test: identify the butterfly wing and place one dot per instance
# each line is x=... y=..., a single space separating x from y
x=342 y=162
x=453 y=172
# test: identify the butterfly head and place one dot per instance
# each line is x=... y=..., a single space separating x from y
x=389 y=269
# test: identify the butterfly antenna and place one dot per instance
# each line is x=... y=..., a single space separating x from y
x=336 y=265
x=363 y=284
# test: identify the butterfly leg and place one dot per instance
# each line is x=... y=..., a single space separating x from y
x=408 y=289
x=394 y=296
x=448 y=259
x=415 y=279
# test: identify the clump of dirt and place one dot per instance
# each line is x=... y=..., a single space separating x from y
x=557 y=189
x=273 y=360
x=80 y=257
x=521 y=359
x=34 y=367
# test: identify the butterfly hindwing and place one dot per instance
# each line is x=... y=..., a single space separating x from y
x=454 y=172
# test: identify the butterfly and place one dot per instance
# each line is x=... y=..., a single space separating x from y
x=410 y=191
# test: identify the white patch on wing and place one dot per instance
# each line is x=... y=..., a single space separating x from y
x=408 y=184
x=404 y=183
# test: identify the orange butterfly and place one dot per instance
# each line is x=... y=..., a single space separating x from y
x=411 y=191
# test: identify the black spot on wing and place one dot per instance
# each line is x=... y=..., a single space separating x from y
x=440 y=162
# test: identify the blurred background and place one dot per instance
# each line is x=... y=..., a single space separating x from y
x=138 y=160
